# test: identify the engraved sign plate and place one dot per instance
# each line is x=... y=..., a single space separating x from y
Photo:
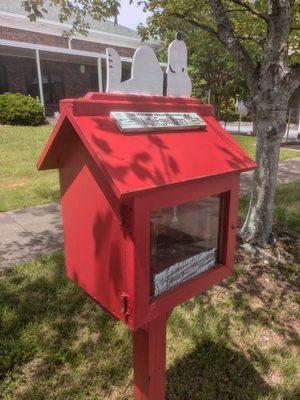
x=154 y=121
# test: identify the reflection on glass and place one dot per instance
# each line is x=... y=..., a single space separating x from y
x=184 y=242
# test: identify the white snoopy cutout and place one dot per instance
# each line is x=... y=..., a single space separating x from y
x=147 y=77
x=178 y=81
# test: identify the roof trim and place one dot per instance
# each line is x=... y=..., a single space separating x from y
x=45 y=158
x=56 y=28
x=89 y=115
x=53 y=49
x=61 y=50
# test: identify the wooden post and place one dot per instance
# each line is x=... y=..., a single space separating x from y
x=149 y=355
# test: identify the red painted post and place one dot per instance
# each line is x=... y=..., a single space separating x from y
x=149 y=354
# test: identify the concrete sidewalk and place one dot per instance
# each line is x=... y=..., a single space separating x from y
x=246 y=128
x=28 y=233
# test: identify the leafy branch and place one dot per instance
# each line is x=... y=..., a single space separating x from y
x=252 y=10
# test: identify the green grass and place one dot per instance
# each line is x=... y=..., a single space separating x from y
x=236 y=341
x=21 y=185
x=287 y=206
x=248 y=143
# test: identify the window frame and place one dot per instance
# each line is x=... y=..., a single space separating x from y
x=49 y=88
x=222 y=214
x=146 y=307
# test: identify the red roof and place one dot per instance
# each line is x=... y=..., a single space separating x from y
x=143 y=161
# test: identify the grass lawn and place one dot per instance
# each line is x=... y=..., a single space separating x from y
x=238 y=340
x=287 y=206
x=248 y=143
x=21 y=185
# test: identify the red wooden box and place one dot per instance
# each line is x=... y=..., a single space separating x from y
x=149 y=219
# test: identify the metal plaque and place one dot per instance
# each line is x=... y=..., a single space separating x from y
x=153 y=121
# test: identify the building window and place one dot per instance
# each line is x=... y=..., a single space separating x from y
x=53 y=84
x=94 y=83
x=126 y=71
x=3 y=80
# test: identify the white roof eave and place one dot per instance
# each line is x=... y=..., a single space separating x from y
x=45 y=26
x=60 y=50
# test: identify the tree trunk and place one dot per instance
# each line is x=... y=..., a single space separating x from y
x=269 y=125
x=217 y=106
x=271 y=82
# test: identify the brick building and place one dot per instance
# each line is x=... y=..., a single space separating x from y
x=36 y=59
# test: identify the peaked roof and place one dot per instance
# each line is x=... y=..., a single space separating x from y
x=15 y=6
x=132 y=163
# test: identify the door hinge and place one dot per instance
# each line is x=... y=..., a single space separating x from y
x=125 y=306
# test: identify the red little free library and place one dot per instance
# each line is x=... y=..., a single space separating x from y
x=149 y=216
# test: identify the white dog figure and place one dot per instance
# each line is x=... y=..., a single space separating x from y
x=147 y=77
x=178 y=81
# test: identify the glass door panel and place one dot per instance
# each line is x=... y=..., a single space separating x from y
x=184 y=242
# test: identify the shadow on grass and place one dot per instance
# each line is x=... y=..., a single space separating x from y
x=213 y=371
x=55 y=341
x=271 y=286
x=225 y=365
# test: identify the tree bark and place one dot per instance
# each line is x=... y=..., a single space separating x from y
x=275 y=84
x=271 y=82
x=269 y=125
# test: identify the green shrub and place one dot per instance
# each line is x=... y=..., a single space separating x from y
x=228 y=113
x=17 y=109
x=247 y=118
